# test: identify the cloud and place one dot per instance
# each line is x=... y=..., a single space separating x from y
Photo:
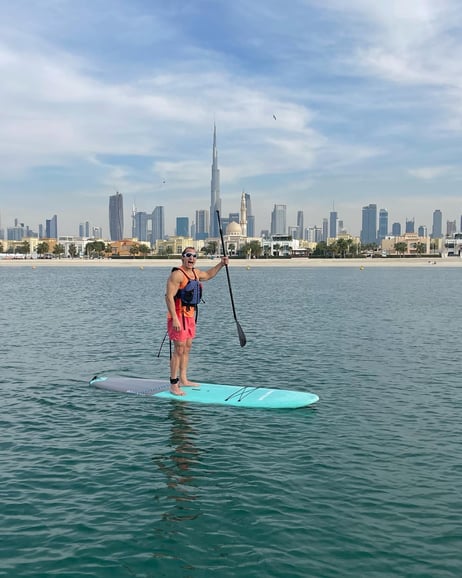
x=429 y=173
x=360 y=89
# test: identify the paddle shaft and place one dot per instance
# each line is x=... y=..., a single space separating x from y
x=242 y=337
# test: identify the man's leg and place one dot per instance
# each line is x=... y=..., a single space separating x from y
x=175 y=364
x=184 y=364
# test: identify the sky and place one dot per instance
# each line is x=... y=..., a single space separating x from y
x=318 y=104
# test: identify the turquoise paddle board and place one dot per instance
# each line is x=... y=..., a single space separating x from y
x=213 y=393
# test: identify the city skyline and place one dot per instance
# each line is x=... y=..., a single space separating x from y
x=151 y=227
x=375 y=225
x=316 y=103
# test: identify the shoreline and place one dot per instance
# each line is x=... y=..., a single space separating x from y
x=246 y=263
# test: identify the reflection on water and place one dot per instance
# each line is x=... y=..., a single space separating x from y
x=368 y=488
x=178 y=467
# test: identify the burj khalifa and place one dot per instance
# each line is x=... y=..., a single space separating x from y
x=215 y=200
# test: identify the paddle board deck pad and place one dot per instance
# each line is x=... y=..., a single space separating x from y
x=212 y=393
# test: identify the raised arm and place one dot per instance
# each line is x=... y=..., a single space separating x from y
x=210 y=273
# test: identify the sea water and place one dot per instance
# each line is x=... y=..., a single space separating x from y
x=98 y=484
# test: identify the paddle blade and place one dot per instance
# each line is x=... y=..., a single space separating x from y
x=240 y=332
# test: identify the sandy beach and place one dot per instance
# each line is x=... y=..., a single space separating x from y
x=253 y=263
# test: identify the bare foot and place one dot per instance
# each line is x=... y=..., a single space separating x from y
x=188 y=383
x=176 y=390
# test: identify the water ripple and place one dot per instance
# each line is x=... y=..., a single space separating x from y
x=100 y=484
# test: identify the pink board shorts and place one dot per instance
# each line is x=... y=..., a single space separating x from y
x=187 y=330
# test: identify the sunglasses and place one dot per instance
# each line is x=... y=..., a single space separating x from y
x=190 y=255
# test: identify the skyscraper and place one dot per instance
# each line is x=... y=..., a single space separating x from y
x=325 y=230
x=116 y=217
x=215 y=200
x=437 y=228
x=158 y=225
x=369 y=225
x=140 y=226
x=182 y=226
x=451 y=228
x=243 y=215
x=202 y=225
x=300 y=225
x=396 y=229
x=383 y=224
x=51 y=228
x=250 y=216
x=134 y=211
x=333 y=224
x=410 y=226
x=278 y=220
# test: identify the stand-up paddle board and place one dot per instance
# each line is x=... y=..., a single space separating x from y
x=212 y=393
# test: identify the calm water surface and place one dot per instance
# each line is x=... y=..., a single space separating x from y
x=109 y=485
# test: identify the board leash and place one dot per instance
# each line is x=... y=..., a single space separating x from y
x=162 y=344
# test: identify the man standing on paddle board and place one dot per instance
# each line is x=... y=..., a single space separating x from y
x=182 y=296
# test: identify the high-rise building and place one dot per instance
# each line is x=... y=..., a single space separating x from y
x=85 y=229
x=422 y=231
x=451 y=228
x=250 y=216
x=215 y=200
x=224 y=223
x=158 y=225
x=368 y=234
x=383 y=225
x=202 y=225
x=278 y=220
x=15 y=233
x=396 y=229
x=325 y=230
x=140 y=225
x=116 y=217
x=437 y=228
x=300 y=225
x=333 y=224
x=314 y=234
x=51 y=228
x=243 y=215
x=182 y=226
x=410 y=226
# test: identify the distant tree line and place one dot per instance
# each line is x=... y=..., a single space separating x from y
x=340 y=248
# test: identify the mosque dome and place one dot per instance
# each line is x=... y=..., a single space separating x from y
x=233 y=228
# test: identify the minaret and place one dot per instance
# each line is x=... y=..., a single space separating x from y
x=243 y=222
x=215 y=200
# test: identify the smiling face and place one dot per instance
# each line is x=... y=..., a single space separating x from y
x=188 y=257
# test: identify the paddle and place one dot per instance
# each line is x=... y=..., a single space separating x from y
x=240 y=332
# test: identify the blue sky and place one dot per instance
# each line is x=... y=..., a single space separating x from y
x=121 y=95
